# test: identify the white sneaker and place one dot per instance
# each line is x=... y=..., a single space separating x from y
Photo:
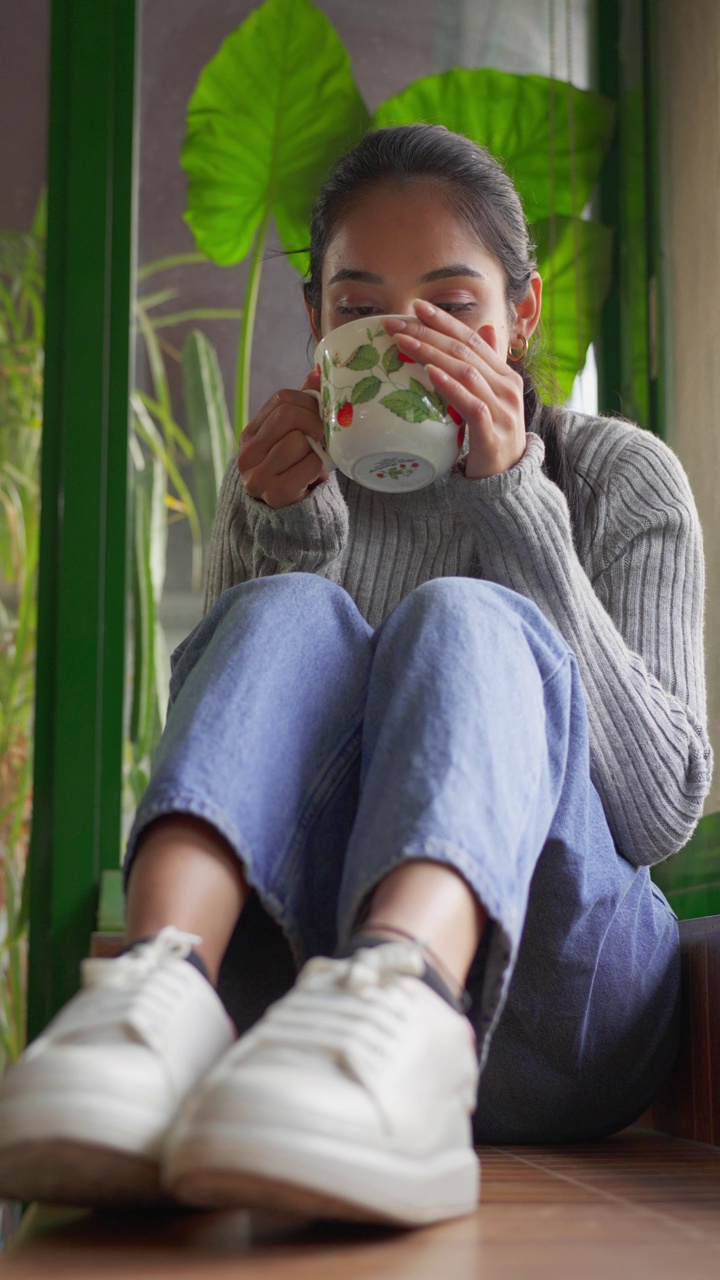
x=351 y=1098
x=84 y=1112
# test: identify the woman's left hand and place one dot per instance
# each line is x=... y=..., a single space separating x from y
x=468 y=371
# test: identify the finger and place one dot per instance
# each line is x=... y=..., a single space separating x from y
x=299 y=414
x=293 y=484
x=287 y=396
x=284 y=455
x=489 y=334
x=476 y=379
x=453 y=353
x=445 y=332
x=311 y=382
x=289 y=485
x=465 y=400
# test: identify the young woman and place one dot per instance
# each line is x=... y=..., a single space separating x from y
x=441 y=735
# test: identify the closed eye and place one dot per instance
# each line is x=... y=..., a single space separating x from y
x=355 y=311
x=455 y=308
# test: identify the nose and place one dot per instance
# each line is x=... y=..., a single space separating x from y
x=400 y=304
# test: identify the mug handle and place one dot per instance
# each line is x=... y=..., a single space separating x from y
x=322 y=454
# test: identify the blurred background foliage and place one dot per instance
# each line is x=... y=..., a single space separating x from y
x=175 y=475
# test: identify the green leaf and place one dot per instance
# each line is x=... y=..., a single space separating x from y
x=171 y=318
x=366 y=389
x=151 y=675
x=149 y=433
x=364 y=357
x=271 y=113
x=550 y=136
x=165 y=264
x=431 y=399
x=407 y=405
x=158 y=529
x=208 y=422
x=391 y=361
x=574 y=259
x=156 y=299
x=143 y=703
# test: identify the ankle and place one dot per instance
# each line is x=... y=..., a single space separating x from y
x=192 y=957
x=436 y=975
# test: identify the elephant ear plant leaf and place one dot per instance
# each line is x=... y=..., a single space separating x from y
x=551 y=137
x=271 y=112
x=574 y=260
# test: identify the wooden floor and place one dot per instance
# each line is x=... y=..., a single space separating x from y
x=638 y=1205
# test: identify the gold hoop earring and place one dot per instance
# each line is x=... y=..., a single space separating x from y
x=518 y=349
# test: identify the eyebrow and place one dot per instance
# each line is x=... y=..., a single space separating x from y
x=442 y=273
x=445 y=273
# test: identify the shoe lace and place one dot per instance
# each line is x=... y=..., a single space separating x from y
x=129 y=969
x=351 y=1009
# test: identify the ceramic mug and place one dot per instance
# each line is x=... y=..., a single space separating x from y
x=386 y=426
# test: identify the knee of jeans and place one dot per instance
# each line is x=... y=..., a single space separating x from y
x=472 y=592
x=474 y=595
x=308 y=590
x=304 y=603
x=508 y=616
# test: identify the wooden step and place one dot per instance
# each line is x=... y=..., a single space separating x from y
x=637 y=1205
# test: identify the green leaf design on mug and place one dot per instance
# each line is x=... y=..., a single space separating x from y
x=411 y=406
x=366 y=389
x=364 y=357
x=431 y=396
x=391 y=361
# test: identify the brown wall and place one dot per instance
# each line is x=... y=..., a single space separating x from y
x=24 y=45
x=689 y=102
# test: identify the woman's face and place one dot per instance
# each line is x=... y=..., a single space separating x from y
x=400 y=242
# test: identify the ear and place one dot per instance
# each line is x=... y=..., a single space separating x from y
x=528 y=311
x=314 y=320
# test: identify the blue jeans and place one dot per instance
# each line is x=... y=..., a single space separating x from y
x=328 y=754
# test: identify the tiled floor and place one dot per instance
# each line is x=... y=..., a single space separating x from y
x=636 y=1206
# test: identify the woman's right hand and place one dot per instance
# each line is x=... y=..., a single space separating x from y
x=276 y=463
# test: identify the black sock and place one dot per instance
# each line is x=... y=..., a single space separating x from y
x=198 y=963
x=192 y=957
x=430 y=977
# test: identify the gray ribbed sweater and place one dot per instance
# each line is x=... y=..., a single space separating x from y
x=629 y=600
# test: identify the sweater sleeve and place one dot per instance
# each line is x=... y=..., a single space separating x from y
x=636 y=629
x=252 y=540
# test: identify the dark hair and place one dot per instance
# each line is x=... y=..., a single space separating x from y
x=479 y=191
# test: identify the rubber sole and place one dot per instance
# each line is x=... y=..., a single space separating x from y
x=310 y=1174
x=67 y=1146
x=228 y=1189
x=59 y=1171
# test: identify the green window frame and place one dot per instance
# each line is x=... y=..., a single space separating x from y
x=82 y=576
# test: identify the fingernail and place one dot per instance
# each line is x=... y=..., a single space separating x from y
x=408 y=341
x=425 y=308
x=397 y=324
